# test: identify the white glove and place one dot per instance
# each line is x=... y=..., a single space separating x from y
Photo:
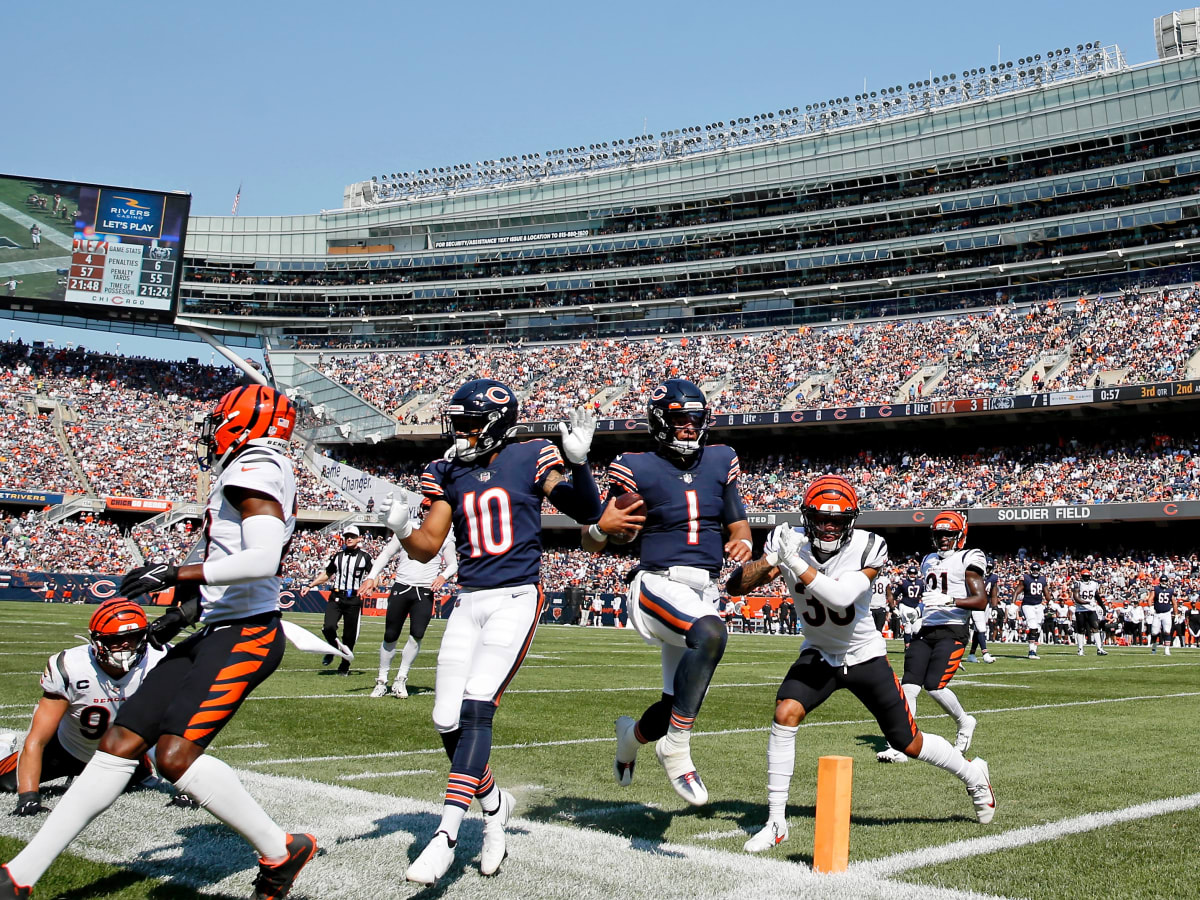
x=451 y=452
x=788 y=542
x=577 y=434
x=936 y=600
x=397 y=516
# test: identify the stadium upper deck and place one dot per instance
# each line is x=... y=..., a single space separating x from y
x=945 y=195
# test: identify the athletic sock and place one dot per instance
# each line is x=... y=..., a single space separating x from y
x=386 y=653
x=216 y=787
x=488 y=794
x=938 y=751
x=781 y=763
x=948 y=700
x=407 y=655
x=98 y=785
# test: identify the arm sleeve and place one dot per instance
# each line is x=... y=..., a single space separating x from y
x=578 y=498
x=839 y=593
x=734 y=509
x=263 y=537
x=331 y=566
x=390 y=549
x=449 y=557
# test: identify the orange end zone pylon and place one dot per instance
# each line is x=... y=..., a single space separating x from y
x=831 y=843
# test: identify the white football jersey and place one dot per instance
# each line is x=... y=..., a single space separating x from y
x=879 y=591
x=1089 y=596
x=945 y=582
x=266 y=471
x=93 y=694
x=842 y=637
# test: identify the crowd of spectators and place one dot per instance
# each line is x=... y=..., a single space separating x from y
x=90 y=544
x=1134 y=336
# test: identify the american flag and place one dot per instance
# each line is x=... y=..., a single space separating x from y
x=237 y=198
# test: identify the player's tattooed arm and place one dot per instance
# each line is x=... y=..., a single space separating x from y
x=553 y=477
x=753 y=574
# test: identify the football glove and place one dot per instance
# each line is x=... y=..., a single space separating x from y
x=148 y=579
x=398 y=516
x=577 y=434
x=29 y=803
x=788 y=543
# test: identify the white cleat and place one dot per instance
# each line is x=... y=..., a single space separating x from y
x=627 y=748
x=1033 y=655
x=400 y=688
x=773 y=834
x=988 y=658
x=963 y=742
x=1167 y=650
x=982 y=795
x=1079 y=652
x=494 y=848
x=380 y=689
x=891 y=755
x=1102 y=653
x=682 y=772
x=434 y=860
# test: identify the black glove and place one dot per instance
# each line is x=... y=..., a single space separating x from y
x=162 y=630
x=148 y=579
x=29 y=803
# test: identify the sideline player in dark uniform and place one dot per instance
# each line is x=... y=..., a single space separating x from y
x=1035 y=597
x=193 y=692
x=491 y=493
x=689 y=493
x=347 y=569
x=1165 y=603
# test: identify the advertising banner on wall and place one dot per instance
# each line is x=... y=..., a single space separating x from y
x=367 y=489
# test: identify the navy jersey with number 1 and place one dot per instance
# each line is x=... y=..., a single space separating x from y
x=686 y=504
x=497 y=512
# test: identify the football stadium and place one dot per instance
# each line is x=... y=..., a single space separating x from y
x=969 y=306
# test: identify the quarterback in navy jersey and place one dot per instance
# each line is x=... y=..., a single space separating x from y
x=689 y=496
x=490 y=491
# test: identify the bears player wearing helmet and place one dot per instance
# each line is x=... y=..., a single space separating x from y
x=828 y=567
x=690 y=493
x=953 y=590
x=200 y=683
x=1165 y=601
x=490 y=492
x=1035 y=597
x=82 y=689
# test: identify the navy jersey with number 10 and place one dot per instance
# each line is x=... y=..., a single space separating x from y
x=497 y=512
x=686 y=505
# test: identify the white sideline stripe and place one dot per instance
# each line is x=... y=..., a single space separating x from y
x=362 y=775
x=1014 y=687
x=1020 y=837
x=369 y=837
x=722 y=835
x=573 y=815
x=600 y=740
x=253 y=745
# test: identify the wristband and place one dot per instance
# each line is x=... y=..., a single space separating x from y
x=749 y=544
x=596 y=534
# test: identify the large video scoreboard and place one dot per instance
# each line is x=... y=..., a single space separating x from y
x=69 y=244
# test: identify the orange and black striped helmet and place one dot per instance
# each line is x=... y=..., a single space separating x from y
x=830 y=509
x=949 y=532
x=118 y=632
x=246 y=414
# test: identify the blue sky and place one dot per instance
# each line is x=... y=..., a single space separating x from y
x=296 y=100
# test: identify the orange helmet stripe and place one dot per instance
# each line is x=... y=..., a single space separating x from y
x=831 y=489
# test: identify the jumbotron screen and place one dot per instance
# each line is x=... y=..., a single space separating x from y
x=63 y=242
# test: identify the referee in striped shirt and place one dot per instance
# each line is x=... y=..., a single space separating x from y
x=346 y=570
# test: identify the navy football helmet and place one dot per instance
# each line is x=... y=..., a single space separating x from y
x=675 y=404
x=484 y=409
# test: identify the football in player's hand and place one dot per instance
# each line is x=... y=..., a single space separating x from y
x=624 y=501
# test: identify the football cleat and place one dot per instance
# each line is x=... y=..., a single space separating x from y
x=627 y=748
x=772 y=834
x=982 y=795
x=988 y=658
x=1153 y=649
x=274 y=882
x=180 y=800
x=434 y=860
x=965 y=733
x=1079 y=652
x=1033 y=655
x=971 y=658
x=10 y=889
x=400 y=688
x=891 y=755
x=326 y=659
x=494 y=849
x=380 y=689
x=1101 y=652
x=344 y=667
x=1167 y=650
x=682 y=772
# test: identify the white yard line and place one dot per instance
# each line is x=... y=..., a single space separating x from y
x=1022 y=837
x=361 y=775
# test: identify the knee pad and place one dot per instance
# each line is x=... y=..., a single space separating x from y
x=708 y=635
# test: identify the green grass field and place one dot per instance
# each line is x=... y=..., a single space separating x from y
x=1072 y=743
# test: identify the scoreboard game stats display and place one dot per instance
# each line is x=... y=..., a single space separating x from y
x=91 y=245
